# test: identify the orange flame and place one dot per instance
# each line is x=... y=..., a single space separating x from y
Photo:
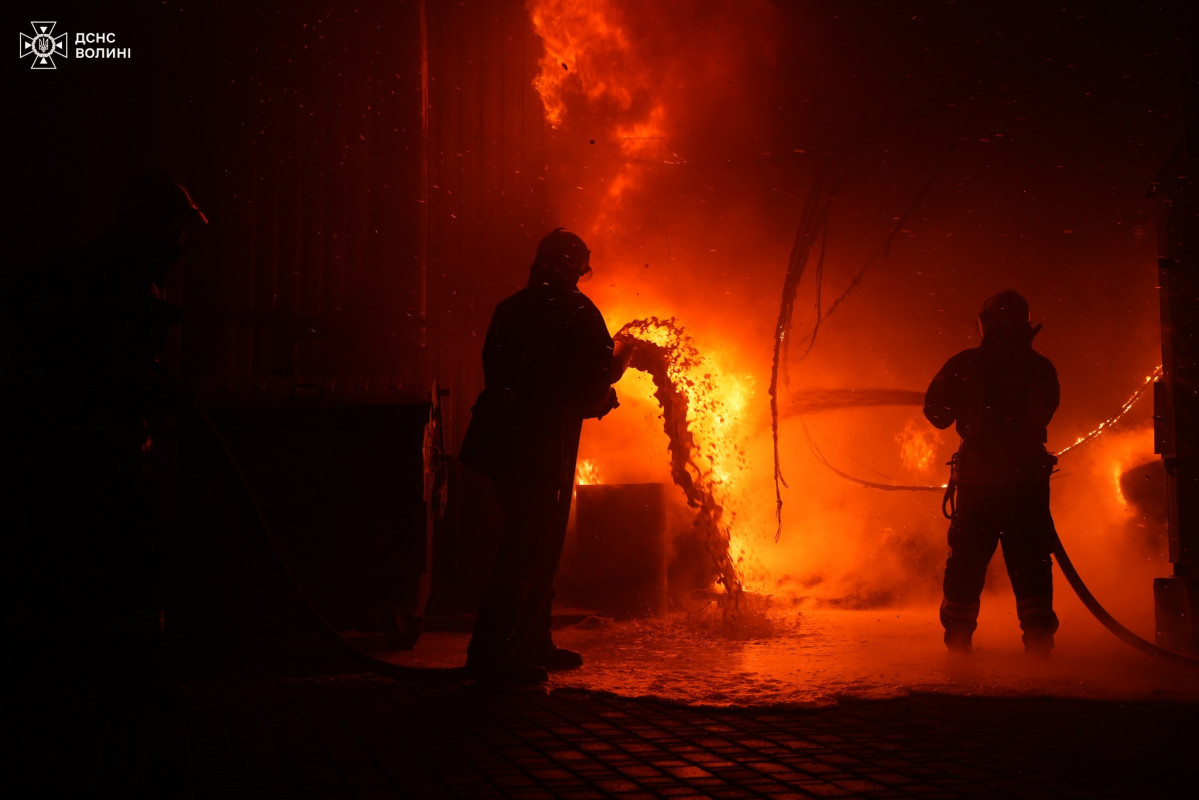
x=591 y=69
x=1117 y=471
x=586 y=473
x=709 y=446
x=716 y=401
x=917 y=446
x=583 y=41
x=594 y=75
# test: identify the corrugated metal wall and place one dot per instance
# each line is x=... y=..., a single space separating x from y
x=487 y=176
x=342 y=243
x=318 y=178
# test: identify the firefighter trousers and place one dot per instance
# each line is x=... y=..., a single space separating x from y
x=535 y=510
x=1015 y=516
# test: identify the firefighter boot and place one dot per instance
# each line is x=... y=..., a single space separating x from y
x=1038 y=622
x=538 y=646
x=489 y=655
x=958 y=639
x=959 y=621
x=1038 y=643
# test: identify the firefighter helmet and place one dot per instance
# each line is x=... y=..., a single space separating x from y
x=1007 y=310
x=561 y=257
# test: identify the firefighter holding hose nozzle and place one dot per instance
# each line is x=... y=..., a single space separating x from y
x=548 y=364
x=1001 y=395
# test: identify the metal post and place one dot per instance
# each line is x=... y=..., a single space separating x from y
x=1176 y=394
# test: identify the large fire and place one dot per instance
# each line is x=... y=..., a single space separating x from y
x=615 y=101
x=590 y=60
x=592 y=75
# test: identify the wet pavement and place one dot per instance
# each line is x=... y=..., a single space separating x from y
x=662 y=710
x=812 y=658
x=362 y=736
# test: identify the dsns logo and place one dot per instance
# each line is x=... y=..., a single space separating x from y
x=43 y=45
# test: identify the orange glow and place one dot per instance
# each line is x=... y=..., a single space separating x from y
x=584 y=42
x=586 y=472
x=918 y=446
x=592 y=70
x=1118 y=469
x=623 y=94
x=706 y=445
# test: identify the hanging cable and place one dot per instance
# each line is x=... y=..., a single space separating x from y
x=887 y=487
x=815 y=219
x=813 y=225
x=1059 y=550
x=1089 y=436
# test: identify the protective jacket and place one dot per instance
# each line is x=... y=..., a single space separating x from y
x=1001 y=395
x=547 y=366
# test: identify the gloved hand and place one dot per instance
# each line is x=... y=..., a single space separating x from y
x=626 y=346
x=603 y=407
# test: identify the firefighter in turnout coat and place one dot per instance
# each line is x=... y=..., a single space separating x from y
x=548 y=364
x=1001 y=395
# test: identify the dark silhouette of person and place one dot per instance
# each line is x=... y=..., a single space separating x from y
x=1001 y=395
x=84 y=394
x=548 y=364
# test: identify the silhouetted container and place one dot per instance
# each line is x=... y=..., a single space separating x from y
x=616 y=562
x=336 y=469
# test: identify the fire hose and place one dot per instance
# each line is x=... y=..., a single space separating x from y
x=1105 y=619
x=1057 y=548
x=1084 y=594
x=368 y=662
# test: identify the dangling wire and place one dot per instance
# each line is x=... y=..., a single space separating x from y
x=884 y=249
x=1112 y=420
x=813 y=227
x=1101 y=428
x=815 y=218
x=886 y=487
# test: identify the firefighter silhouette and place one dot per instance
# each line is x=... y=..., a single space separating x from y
x=1001 y=395
x=83 y=396
x=548 y=364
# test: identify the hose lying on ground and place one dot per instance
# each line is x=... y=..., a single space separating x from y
x=368 y=662
x=821 y=401
x=1107 y=620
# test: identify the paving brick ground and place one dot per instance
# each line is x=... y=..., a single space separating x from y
x=363 y=736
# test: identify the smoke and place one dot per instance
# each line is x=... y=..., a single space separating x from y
x=686 y=138
x=1118 y=544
